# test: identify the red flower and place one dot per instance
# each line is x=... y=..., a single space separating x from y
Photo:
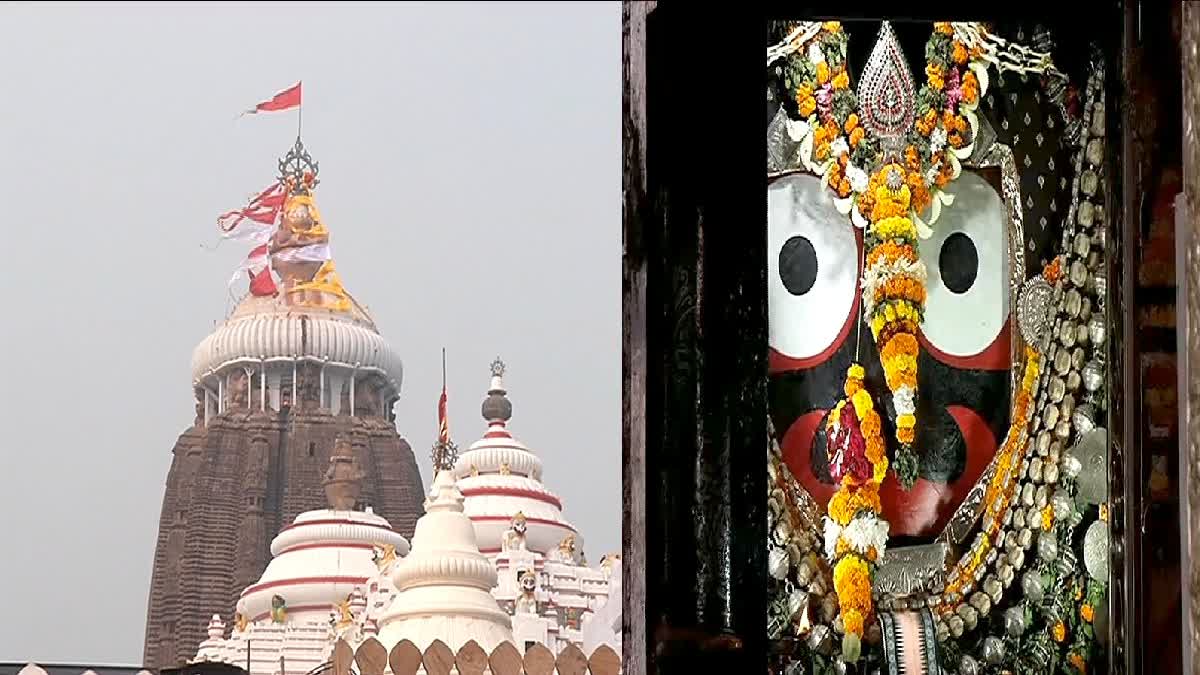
x=848 y=449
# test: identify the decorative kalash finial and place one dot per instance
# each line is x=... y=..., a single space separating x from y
x=298 y=170
x=496 y=407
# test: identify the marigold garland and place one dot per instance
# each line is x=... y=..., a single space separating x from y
x=855 y=535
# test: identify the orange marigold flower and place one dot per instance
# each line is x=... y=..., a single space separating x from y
x=906 y=436
x=955 y=140
x=970 y=87
x=959 y=53
x=870 y=425
x=856 y=136
x=911 y=160
x=852 y=622
x=841 y=80
x=1087 y=612
x=822 y=73
x=876 y=450
x=933 y=72
x=851 y=123
x=891 y=251
x=944 y=28
x=807 y=106
x=832 y=26
x=1077 y=662
x=821 y=152
x=851 y=387
x=831 y=129
x=843 y=188
x=1060 y=632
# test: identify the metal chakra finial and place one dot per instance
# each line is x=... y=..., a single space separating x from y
x=298 y=169
x=497 y=368
x=886 y=93
x=444 y=455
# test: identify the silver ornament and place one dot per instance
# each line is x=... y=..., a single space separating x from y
x=1033 y=311
x=1031 y=584
x=1092 y=452
x=1093 y=375
x=968 y=666
x=1047 y=546
x=777 y=562
x=1082 y=418
x=1079 y=277
x=1071 y=466
x=1062 y=505
x=1095 y=550
x=820 y=639
x=1097 y=330
x=1014 y=621
x=993 y=650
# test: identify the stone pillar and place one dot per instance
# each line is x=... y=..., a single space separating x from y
x=220 y=394
x=208 y=407
x=295 y=378
x=321 y=394
x=274 y=390
x=262 y=385
x=353 y=379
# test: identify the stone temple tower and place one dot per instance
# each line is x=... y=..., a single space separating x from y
x=296 y=367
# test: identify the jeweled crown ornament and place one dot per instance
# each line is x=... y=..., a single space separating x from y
x=886 y=93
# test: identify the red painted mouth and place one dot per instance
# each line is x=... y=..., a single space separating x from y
x=922 y=511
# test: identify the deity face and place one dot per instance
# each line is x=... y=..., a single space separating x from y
x=528 y=581
x=814 y=271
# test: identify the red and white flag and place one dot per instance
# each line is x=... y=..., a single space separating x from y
x=310 y=253
x=257 y=217
x=258 y=266
x=285 y=100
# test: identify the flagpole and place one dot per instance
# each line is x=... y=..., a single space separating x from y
x=443 y=369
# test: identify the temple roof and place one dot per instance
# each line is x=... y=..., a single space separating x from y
x=297 y=307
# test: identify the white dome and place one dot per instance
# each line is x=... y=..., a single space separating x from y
x=444 y=585
x=319 y=560
x=500 y=476
x=265 y=328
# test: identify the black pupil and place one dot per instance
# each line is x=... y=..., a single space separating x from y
x=958 y=263
x=798 y=265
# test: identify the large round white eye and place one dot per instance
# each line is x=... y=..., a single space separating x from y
x=967 y=262
x=812 y=267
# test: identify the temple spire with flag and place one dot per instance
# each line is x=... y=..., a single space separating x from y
x=445 y=452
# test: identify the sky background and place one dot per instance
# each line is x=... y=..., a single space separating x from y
x=470 y=166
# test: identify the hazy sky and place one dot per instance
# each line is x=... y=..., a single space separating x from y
x=470 y=166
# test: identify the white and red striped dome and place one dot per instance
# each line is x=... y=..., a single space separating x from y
x=319 y=560
x=499 y=476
